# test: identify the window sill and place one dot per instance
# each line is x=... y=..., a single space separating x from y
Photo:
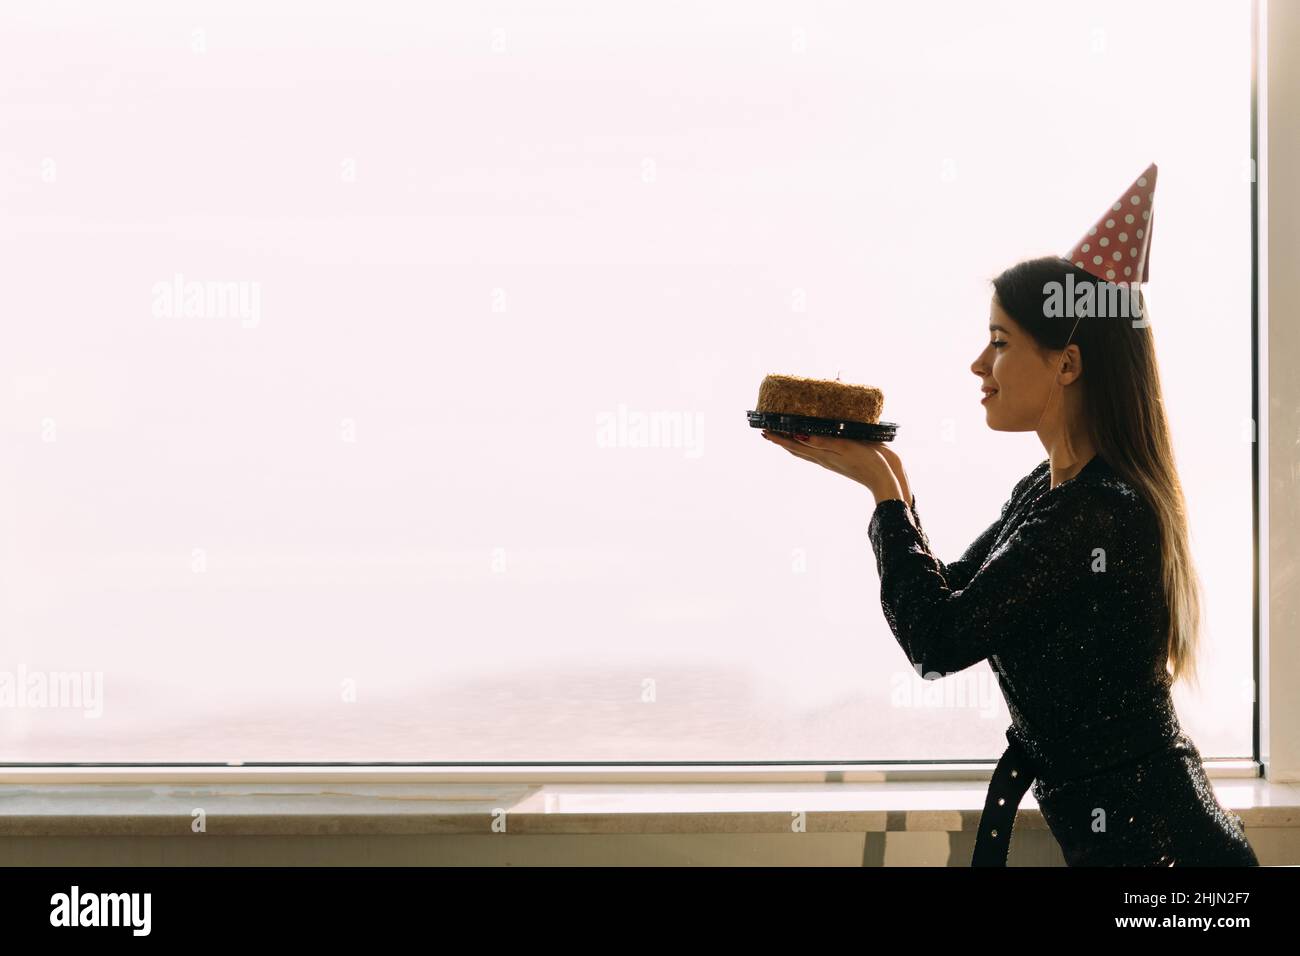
x=337 y=805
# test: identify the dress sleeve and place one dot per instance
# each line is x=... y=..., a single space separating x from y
x=1019 y=589
x=959 y=572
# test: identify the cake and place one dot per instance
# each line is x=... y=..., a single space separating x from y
x=819 y=398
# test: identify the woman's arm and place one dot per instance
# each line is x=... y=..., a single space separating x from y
x=1025 y=585
x=958 y=574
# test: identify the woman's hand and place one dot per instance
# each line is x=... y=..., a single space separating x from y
x=900 y=473
x=866 y=462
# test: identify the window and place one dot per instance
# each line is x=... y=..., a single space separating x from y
x=378 y=375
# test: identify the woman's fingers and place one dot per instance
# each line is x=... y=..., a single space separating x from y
x=825 y=443
x=896 y=466
x=793 y=446
x=787 y=443
x=815 y=448
x=854 y=459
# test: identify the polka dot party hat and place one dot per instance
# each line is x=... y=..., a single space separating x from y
x=1116 y=247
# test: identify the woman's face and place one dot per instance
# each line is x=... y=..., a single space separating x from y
x=1022 y=376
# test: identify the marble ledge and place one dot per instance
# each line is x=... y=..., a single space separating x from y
x=307 y=809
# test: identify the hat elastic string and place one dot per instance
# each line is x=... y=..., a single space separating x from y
x=1051 y=394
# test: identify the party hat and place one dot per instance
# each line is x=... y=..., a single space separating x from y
x=1116 y=248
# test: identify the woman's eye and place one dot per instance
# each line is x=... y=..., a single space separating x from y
x=996 y=344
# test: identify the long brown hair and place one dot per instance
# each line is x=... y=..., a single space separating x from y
x=1125 y=413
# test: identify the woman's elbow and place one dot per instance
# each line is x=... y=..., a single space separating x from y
x=935 y=661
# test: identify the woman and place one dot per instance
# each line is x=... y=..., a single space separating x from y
x=1082 y=595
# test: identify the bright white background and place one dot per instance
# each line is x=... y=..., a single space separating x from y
x=384 y=521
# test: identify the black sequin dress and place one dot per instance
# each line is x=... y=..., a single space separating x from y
x=1062 y=595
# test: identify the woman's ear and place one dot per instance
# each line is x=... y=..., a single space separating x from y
x=1071 y=366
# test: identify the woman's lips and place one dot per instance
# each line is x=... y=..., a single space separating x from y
x=988 y=395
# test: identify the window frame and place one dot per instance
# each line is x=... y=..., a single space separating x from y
x=1275 y=669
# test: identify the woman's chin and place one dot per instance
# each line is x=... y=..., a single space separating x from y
x=996 y=425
